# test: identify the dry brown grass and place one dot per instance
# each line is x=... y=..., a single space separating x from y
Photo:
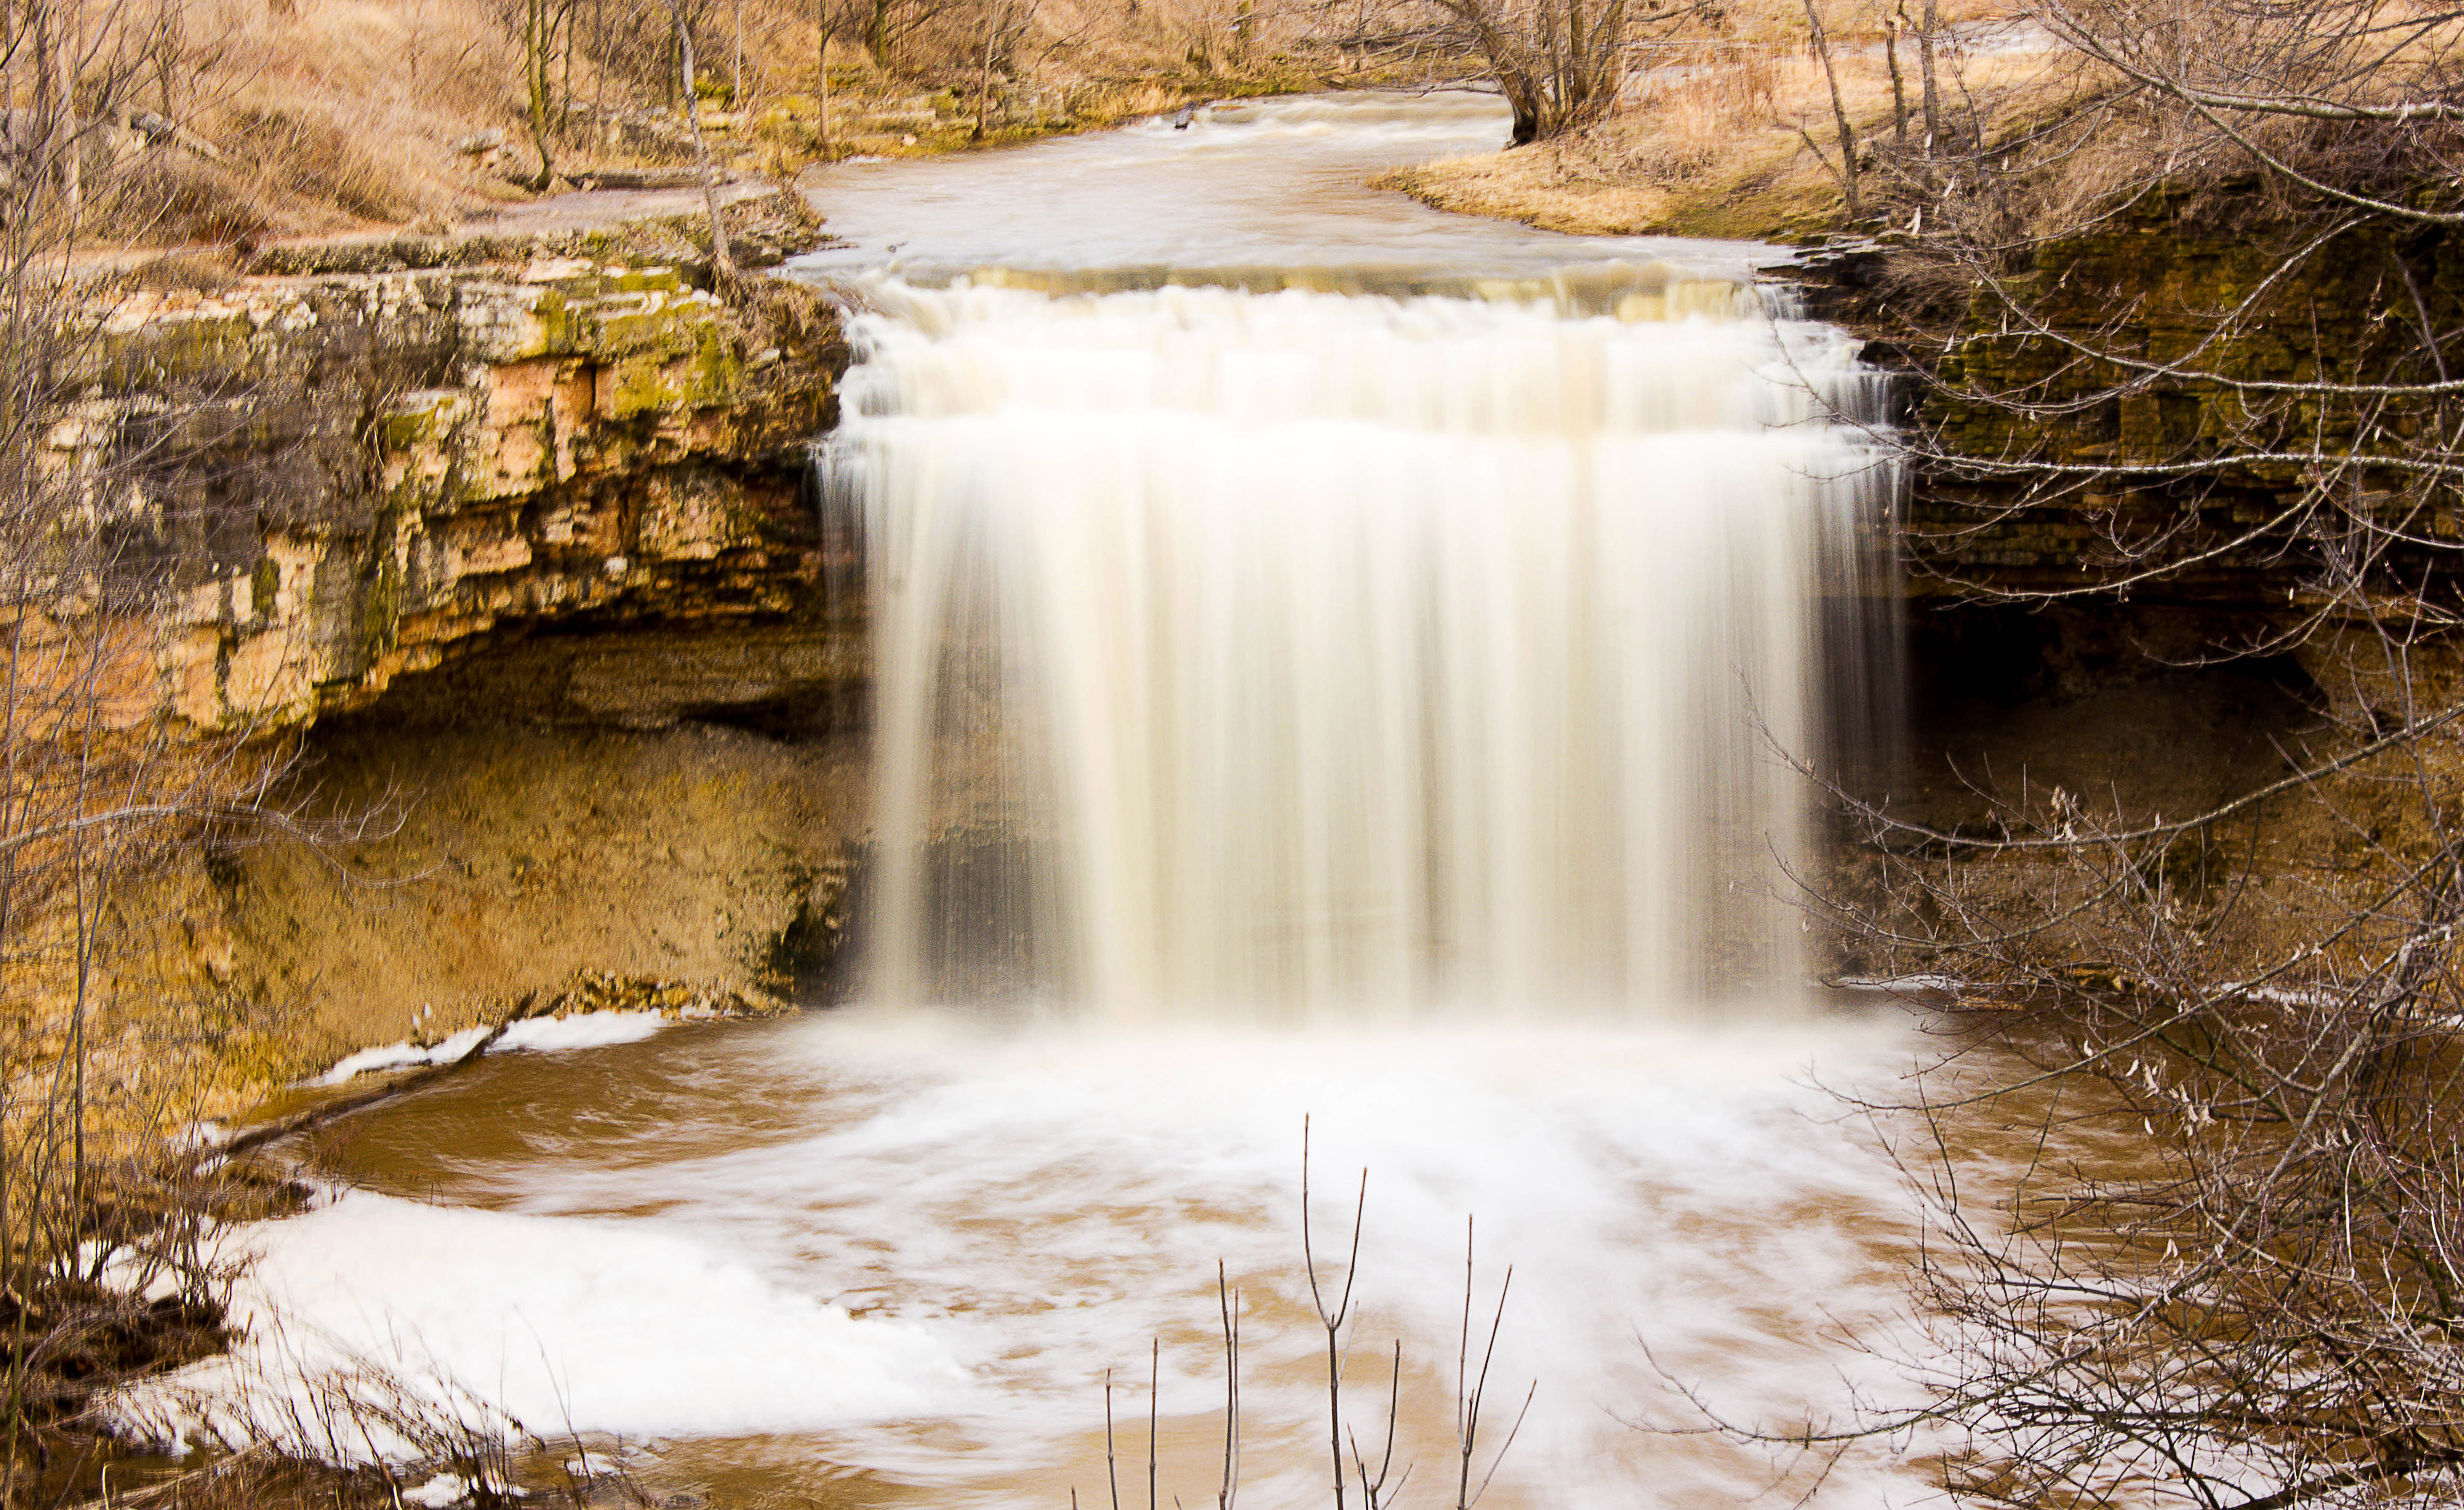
x=1712 y=138
x=1733 y=134
x=315 y=115
x=333 y=114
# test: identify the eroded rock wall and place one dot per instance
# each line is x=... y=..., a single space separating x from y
x=370 y=473
x=516 y=563
x=487 y=859
x=2123 y=605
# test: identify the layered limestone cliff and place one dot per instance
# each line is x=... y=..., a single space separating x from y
x=2182 y=290
x=381 y=471
x=516 y=561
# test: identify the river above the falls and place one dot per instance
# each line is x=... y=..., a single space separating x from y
x=1336 y=665
x=1265 y=189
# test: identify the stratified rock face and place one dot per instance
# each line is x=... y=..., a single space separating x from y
x=362 y=475
x=543 y=531
x=2181 y=487
x=2121 y=528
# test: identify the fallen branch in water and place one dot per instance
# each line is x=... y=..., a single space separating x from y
x=342 y=1106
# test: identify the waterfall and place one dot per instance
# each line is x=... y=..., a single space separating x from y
x=1288 y=654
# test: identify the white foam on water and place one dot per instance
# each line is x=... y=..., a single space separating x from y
x=613 y=1326
x=400 y=1056
x=581 y=1030
x=937 y=1240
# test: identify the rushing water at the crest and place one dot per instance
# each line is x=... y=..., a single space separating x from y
x=1297 y=654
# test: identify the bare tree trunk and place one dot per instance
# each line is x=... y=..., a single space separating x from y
x=41 y=25
x=72 y=129
x=821 y=73
x=8 y=35
x=1839 y=115
x=1558 y=64
x=1523 y=101
x=170 y=40
x=14 y=1256
x=993 y=19
x=570 y=20
x=736 y=78
x=598 y=81
x=1898 y=22
x=57 y=58
x=1925 y=70
x=1553 y=67
x=540 y=85
x=722 y=263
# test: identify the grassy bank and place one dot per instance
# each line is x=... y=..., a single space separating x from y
x=1730 y=130
x=236 y=122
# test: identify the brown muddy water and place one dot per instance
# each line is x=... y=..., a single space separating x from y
x=893 y=1257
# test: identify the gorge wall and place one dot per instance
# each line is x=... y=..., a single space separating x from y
x=513 y=557
x=2144 y=627
x=2138 y=604
x=380 y=472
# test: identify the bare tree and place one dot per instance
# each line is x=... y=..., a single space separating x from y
x=2256 y=1305
x=1560 y=64
x=1005 y=23
x=1557 y=62
x=722 y=263
x=822 y=77
x=1846 y=128
x=538 y=30
x=104 y=498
